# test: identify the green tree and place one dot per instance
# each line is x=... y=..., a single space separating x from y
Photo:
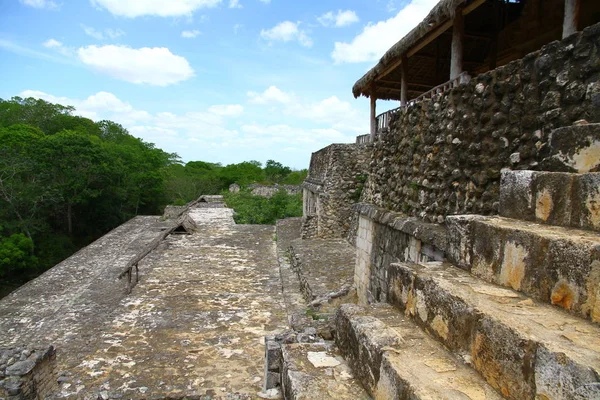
x=16 y=256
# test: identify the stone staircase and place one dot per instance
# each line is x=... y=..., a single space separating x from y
x=513 y=315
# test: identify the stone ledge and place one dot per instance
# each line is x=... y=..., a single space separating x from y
x=313 y=186
x=428 y=233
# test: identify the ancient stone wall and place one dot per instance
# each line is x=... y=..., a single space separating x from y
x=334 y=183
x=270 y=190
x=385 y=237
x=444 y=156
x=27 y=373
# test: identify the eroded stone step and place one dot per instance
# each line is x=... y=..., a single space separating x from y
x=554 y=198
x=524 y=349
x=394 y=359
x=552 y=264
x=316 y=371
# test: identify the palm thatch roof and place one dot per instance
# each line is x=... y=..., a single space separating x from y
x=443 y=11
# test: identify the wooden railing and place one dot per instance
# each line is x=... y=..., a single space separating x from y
x=362 y=139
x=383 y=119
x=444 y=87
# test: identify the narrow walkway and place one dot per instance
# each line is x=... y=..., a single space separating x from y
x=194 y=325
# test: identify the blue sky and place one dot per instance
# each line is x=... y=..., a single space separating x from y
x=213 y=80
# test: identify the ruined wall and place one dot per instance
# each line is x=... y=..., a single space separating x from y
x=27 y=372
x=334 y=183
x=270 y=190
x=444 y=156
x=385 y=237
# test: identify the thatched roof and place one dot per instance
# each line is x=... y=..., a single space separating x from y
x=443 y=11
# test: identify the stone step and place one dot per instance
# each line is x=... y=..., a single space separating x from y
x=395 y=359
x=316 y=371
x=554 y=198
x=524 y=349
x=552 y=264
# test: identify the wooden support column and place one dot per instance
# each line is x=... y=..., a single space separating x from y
x=404 y=82
x=571 y=17
x=458 y=33
x=373 y=114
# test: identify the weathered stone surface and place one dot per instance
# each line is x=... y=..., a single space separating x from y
x=554 y=198
x=270 y=190
x=552 y=264
x=444 y=156
x=521 y=347
x=334 y=182
x=574 y=149
x=394 y=359
x=384 y=237
x=316 y=371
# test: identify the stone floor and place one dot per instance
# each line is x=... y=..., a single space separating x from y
x=193 y=327
x=195 y=324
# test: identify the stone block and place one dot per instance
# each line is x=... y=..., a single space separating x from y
x=573 y=149
x=553 y=198
x=387 y=350
x=522 y=348
x=551 y=264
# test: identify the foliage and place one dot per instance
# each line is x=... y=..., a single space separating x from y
x=66 y=180
x=250 y=209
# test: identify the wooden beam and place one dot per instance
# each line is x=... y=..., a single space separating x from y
x=456 y=61
x=571 y=17
x=373 y=114
x=404 y=84
x=431 y=36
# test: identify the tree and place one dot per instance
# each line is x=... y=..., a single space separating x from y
x=275 y=172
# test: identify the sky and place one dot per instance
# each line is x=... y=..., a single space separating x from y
x=213 y=80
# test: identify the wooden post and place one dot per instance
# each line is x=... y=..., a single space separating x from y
x=458 y=33
x=404 y=82
x=571 y=17
x=373 y=114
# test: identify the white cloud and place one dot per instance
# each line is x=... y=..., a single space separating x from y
x=235 y=4
x=160 y=8
x=285 y=32
x=155 y=66
x=376 y=39
x=92 y=32
x=271 y=95
x=342 y=18
x=52 y=43
x=48 y=4
x=332 y=111
x=190 y=34
x=227 y=110
x=58 y=46
x=96 y=34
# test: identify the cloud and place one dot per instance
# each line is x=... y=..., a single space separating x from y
x=52 y=43
x=190 y=34
x=271 y=95
x=265 y=1
x=154 y=66
x=342 y=18
x=285 y=32
x=235 y=4
x=376 y=39
x=159 y=8
x=92 y=32
x=57 y=46
x=227 y=110
x=108 y=33
x=332 y=111
x=47 y=4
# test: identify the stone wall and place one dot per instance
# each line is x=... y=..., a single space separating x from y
x=444 y=156
x=334 y=183
x=27 y=373
x=270 y=190
x=386 y=237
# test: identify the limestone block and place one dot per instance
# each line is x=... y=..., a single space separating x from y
x=554 y=198
x=551 y=264
x=521 y=347
x=574 y=149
